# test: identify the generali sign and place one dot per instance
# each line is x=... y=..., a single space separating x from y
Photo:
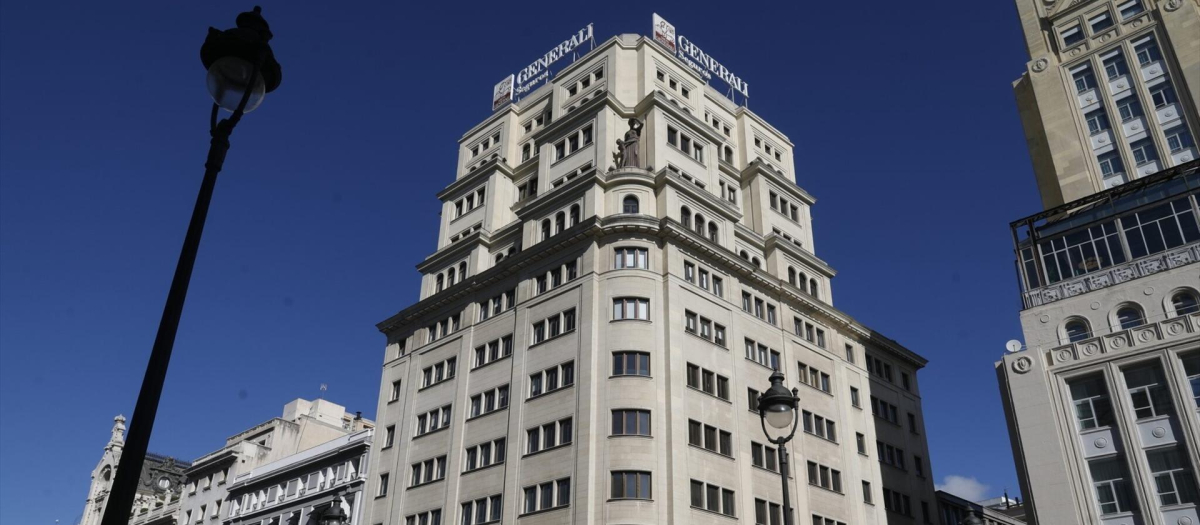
x=694 y=57
x=524 y=81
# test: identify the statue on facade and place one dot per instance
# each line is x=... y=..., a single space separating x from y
x=627 y=149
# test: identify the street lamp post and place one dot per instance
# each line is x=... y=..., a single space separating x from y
x=777 y=407
x=334 y=515
x=241 y=70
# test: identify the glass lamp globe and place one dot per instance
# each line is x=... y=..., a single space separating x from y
x=779 y=415
x=229 y=78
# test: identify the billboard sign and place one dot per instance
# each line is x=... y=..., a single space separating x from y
x=695 y=58
x=503 y=93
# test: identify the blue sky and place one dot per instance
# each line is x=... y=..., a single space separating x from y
x=902 y=115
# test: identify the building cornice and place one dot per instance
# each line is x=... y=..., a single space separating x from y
x=758 y=166
x=666 y=178
x=473 y=177
x=805 y=256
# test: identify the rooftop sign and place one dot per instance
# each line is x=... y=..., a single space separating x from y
x=524 y=80
x=687 y=51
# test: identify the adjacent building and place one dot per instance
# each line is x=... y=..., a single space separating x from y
x=1110 y=91
x=952 y=510
x=1101 y=399
x=174 y=492
x=597 y=321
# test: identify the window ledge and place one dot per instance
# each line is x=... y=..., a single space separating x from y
x=615 y=500
x=618 y=436
x=548 y=392
x=714 y=396
x=697 y=447
x=709 y=341
x=630 y=376
x=425 y=484
x=428 y=433
x=485 y=414
x=715 y=513
x=431 y=385
x=548 y=339
x=541 y=511
x=765 y=469
x=647 y=321
x=840 y=493
x=555 y=447
x=489 y=363
x=477 y=469
x=569 y=155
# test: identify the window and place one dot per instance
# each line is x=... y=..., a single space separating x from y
x=630 y=363
x=689 y=272
x=763 y=456
x=389 y=437
x=482 y=510
x=849 y=354
x=1129 y=108
x=435 y=419
x=547 y=495
x=1130 y=317
x=428 y=471
x=1100 y=22
x=1147 y=52
x=1109 y=479
x=383 y=485
x=819 y=520
x=493 y=351
x=1077 y=330
x=1185 y=303
x=1084 y=79
x=822 y=476
x=626 y=308
x=439 y=372
x=632 y=258
x=919 y=465
x=554 y=326
x=485 y=454
x=1160 y=228
x=767 y=513
x=861 y=441
x=573 y=142
x=813 y=377
x=550 y=435
x=1148 y=392
x=556 y=276
x=489 y=401
x=1178 y=139
x=819 y=426
x=703 y=327
x=854 y=400
x=710 y=438
x=1162 y=95
x=752 y=395
x=1131 y=8
x=630 y=204
x=713 y=498
x=630 y=422
x=1115 y=66
x=497 y=305
x=761 y=354
x=630 y=484
x=395 y=395
x=1172 y=476
x=1143 y=152
x=1097 y=121
x=866 y=486
x=707 y=381
x=552 y=379
x=912 y=423
x=884 y=410
x=1072 y=36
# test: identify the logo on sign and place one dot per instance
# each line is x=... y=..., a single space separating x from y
x=503 y=93
x=664 y=33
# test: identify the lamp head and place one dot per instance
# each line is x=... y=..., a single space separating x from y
x=777 y=404
x=229 y=57
x=334 y=515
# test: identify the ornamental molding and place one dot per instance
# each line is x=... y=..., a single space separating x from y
x=1169 y=260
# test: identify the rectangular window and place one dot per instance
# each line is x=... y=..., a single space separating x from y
x=548 y=436
x=626 y=308
x=630 y=422
x=854 y=400
x=547 y=495
x=1072 y=36
x=632 y=258
x=867 y=498
x=1148 y=391
x=484 y=454
x=395 y=395
x=629 y=363
x=1173 y=476
x=552 y=379
x=383 y=485
x=1160 y=228
x=630 y=484
x=1100 y=22
x=1130 y=9
x=1110 y=481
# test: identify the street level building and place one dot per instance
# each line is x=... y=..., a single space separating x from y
x=592 y=332
x=159 y=490
x=1110 y=92
x=299 y=489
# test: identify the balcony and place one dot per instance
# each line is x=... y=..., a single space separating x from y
x=1133 y=230
x=1167 y=114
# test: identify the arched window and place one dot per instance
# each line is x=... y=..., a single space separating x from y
x=499 y=257
x=744 y=255
x=440 y=282
x=686 y=216
x=1185 y=303
x=545 y=229
x=1130 y=317
x=756 y=262
x=630 y=204
x=792 y=275
x=728 y=154
x=560 y=222
x=699 y=224
x=450 y=277
x=803 y=284
x=712 y=231
x=574 y=214
x=812 y=288
x=1077 y=330
x=462 y=270
x=511 y=250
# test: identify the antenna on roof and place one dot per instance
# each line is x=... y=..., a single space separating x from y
x=324 y=387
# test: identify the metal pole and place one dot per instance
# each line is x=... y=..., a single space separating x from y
x=133 y=455
x=783 y=476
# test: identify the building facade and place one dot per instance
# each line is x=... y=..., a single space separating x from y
x=596 y=323
x=1107 y=271
x=952 y=510
x=1110 y=93
x=298 y=489
x=159 y=491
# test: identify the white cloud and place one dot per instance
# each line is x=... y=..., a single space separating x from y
x=966 y=488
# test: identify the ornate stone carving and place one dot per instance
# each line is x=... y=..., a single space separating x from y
x=1064 y=355
x=1074 y=288
x=1171 y=5
x=1090 y=349
x=1174 y=328
x=1022 y=364
x=1100 y=443
x=627 y=149
x=1040 y=64
x=1158 y=432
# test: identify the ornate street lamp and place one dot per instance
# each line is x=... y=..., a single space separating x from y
x=334 y=515
x=777 y=408
x=241 y=70
x=972 y=518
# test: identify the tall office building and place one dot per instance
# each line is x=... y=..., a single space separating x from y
x=1101 y=401
x=1110 y=93
x=590 y=338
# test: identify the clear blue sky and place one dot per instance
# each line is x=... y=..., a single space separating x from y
x=902 y=115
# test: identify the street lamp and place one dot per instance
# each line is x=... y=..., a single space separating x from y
x=972 y=518
x=334 y=515
x=241 y=70
x=777 y=408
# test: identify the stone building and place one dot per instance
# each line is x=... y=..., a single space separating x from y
x=592 y=331
x=1110 y=92
x=304 y=424
x=159 y=488
x=1100 y=401
x=953 y=509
